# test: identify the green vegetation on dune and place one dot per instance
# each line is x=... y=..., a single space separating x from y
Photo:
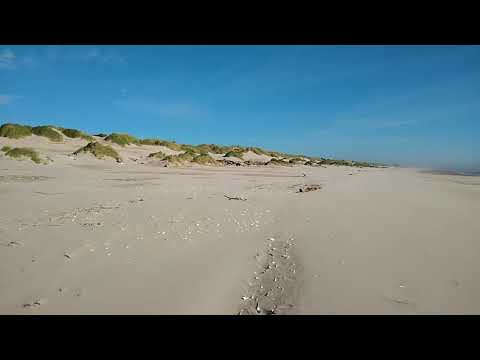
x=296 y=160
x=102 y=135
x=204 y=159
x=48 y=132
x=15 y=131
x=99 y=151
x=236 y=154
x=214 y=149
x=186 y=156
x=189 y=149
x=122 y=139
x=150 y=142
x=6 y=148
x=180 y=158
x=74 y=133
x=159 y=155
x=172 y=145
x=257 y=150
x=24 y=152
x=278 y=162
x=189 y=152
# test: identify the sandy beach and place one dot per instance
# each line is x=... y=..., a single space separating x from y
x=88 y=236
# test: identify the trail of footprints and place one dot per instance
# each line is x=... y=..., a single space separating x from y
x=273 y=289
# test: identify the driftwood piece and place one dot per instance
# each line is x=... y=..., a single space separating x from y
x=234 y=198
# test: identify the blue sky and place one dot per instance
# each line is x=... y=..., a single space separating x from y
x=411 y=105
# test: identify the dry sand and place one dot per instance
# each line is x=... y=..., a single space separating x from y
x=90 y=236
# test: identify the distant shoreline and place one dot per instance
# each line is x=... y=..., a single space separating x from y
x=452 y=172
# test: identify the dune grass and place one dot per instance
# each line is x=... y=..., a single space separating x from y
x=6 y=148
x=48 y=132
x=278 y=162
x=24 y=152
x=158 y=155
x=180 y=158
x=122 y=139
x=186 y=156
x=213 y=148
x=236 y=154
x=257 y=150
x=99 y=151
x=74 y=133
x=15 y=131
x=204 y=159
x=172 y=145
x=150 y=142
x=296 y=160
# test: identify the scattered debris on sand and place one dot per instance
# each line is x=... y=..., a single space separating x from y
x=274 y=288
x=235 y=198
x=35 y=303
x=307 y=188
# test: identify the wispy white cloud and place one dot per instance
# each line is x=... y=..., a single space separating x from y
x=6 y=99
x=7 y=59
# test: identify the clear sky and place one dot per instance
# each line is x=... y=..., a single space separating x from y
x=410 y=105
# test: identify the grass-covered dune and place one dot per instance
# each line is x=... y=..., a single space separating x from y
x=99 y=151
x=122 y=139
x=51 y=132
x=189 y=152
x=15 y=131
x=204 y=159
x=74 y=133
x=19 y=153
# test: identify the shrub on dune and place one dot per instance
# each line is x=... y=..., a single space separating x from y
x=6 y=148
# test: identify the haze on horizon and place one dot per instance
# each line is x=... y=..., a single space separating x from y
x=407 y=105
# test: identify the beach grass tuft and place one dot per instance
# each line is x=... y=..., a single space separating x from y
x=15 y=131
x=99 y=151
x=204 y=159
x=74 y=133
x=122 y=139
x=48 y=132
x=24 y=152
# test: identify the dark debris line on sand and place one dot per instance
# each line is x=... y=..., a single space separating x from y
x=235 y=198
x=273 y=289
